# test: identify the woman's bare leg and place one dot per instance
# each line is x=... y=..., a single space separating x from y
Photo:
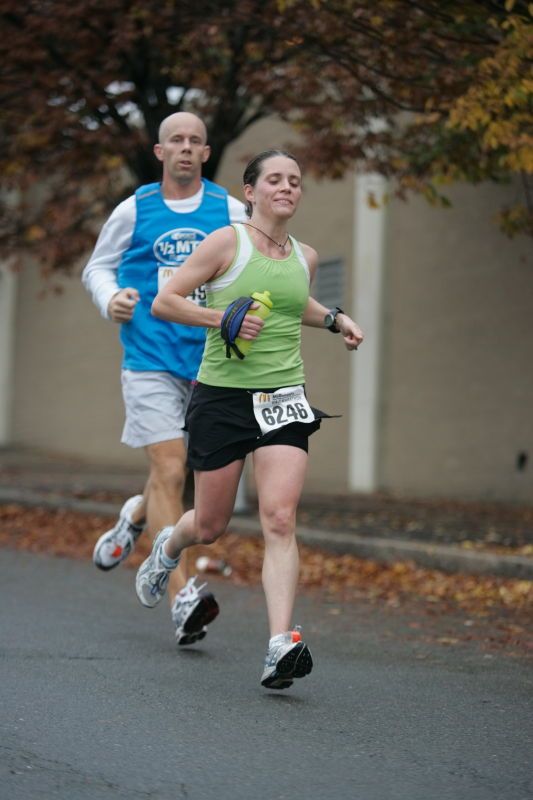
x=214 y=498
x=279 y=474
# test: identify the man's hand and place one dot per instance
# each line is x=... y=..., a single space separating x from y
x=350 y=330
x=122 y=305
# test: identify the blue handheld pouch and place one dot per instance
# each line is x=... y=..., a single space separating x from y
x=231 y=323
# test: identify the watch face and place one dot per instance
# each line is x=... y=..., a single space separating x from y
x=329 y=319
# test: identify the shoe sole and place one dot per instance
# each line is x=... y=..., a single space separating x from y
x=204 y=613
x=297 y=663
x=190 y=638
x=99 y=564
x=124 y=510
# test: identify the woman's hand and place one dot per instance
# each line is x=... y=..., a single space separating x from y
x=251 y=325
x=350 y=331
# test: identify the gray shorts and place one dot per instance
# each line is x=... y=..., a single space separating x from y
x=155 y=404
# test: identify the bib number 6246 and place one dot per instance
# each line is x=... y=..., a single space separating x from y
x=273 y=410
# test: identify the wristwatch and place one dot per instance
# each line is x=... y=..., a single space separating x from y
x=330 y=319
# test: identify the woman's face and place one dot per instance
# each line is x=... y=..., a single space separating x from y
x=278 y=188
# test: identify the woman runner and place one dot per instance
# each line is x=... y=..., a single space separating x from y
x=255 y=404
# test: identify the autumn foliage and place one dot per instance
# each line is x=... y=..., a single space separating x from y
x=73 y=534
x=422 y=92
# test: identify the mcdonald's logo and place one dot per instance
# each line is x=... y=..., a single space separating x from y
x=264 y=398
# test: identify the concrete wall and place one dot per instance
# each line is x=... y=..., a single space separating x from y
x=67 y=381
x=457 y=390
x=456 y=383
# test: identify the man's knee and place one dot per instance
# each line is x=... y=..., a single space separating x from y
x=167 y=465
x=171 y=473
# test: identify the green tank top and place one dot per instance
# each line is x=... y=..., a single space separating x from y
x=274 y=359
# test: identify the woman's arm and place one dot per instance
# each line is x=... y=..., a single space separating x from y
x=210 y=259
x=315 y=312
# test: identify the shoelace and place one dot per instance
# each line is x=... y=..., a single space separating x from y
x=187 y=597
x=157 y=572
x=190 y=591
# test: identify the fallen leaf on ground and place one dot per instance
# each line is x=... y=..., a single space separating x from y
x=73 y=534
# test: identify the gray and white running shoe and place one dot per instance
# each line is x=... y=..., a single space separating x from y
x=192 y=610
x=152 y=575
x=116 y=544
x=288 y=657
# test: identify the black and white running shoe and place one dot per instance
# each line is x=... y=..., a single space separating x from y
x=287 y=658
x=192 y=610
x=115 y=545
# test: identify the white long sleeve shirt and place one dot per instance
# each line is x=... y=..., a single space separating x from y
x=100 y=273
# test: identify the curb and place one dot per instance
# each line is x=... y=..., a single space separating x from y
x=54 y=500
x=448 y=558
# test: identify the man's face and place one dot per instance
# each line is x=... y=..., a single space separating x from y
x=183 y=149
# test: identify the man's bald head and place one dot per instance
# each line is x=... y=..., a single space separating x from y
x=183 y=150
x=182 y=120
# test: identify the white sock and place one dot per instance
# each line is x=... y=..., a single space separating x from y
x=166 y=561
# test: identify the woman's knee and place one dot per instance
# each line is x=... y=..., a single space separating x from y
x=279 y=521
x=209 y=529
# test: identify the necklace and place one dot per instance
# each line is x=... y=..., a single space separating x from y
x=281 y=245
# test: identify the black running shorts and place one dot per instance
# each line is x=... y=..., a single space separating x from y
x=222 y=427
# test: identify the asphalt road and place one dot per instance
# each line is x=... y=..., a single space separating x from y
x=97 y=704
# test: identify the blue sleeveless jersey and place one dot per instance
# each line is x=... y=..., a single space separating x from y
x=161 y=241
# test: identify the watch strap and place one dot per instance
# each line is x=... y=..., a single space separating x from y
x=334 y=311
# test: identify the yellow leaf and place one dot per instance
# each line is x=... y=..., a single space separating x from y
x=509 y=5
x=35 y=233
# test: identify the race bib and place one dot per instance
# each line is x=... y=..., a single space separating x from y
x=273 y=410
x=164 y=274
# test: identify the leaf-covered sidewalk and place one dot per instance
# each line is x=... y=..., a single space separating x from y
x=504 y=607
x=497 y=527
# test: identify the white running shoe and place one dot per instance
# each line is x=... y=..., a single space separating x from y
x=288 y=657
x=115 y=545
x=193 y=609
x=152 y=575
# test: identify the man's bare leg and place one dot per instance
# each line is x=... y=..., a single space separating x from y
x=163 y=497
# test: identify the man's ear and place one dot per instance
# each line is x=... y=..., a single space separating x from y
x=158 y=151
x=206 y=154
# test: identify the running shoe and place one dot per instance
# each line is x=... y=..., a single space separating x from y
x=152 y=575
x=193 y=608
x=115 y=545
x=288 y=657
